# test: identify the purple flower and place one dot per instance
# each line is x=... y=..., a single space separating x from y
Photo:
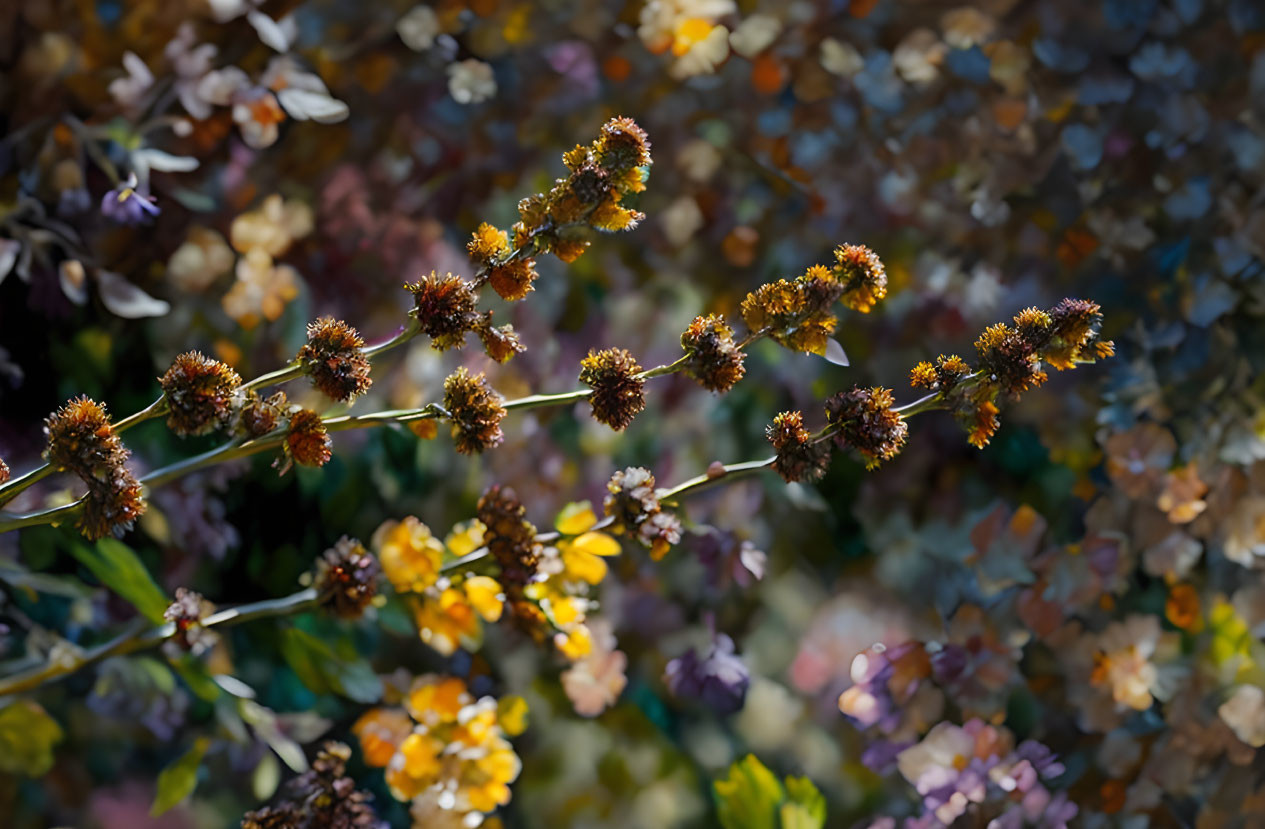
x=880 y=755
x=727 y=560
x=126 y=206
x=718 y=679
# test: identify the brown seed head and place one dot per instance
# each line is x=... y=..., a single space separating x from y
x=346 y=578
x=863 y=419
x=618 y=389
x=501 y=343
x=307 y=441
x=509 y=536
x=444 y=307
x=622 y=144
x=712 y=358
x=475 y=411
x=334 y=359
x=798 y=458
x=259 y=416
x=200 y=393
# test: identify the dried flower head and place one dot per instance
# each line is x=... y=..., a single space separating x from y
x=712 y=358
x=618 y=388
x=509 y=536
x=187 y=613
x=323 y=797
x=864 y=420
x=4 y=471
x=798 y=458
x=488 y=244
x=861 y=273
x=513 y=280
x=634 y=505
x=943 y=376
x=475 y=411
x=333 y=358
x=622 y=144
x=307 y=441
x=258 y=416
x=979 y=418
x=794 y=313
x=1073 y=334
x=114 y=502
x=200 y=393
x=81 y=440
x=444 y=307
x=501 y=343
x=1009 y=360
x=347 y=578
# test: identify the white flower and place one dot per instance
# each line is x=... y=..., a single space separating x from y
x=471 y=81
x=1173 y=557
x=840 y=58
x=200 y=260
x=755 y=34
x=1244 y=712
x=663 y=22
x=191 y=63
x=701 y=57
x=918 y=56
x=1123 y=661
x=681 y=220
x=129 y=89
x=936 y=760
x=1245 y=532
x=418 y=28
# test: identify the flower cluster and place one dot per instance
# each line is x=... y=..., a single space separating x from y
x=200 y=393
x=446 y=752
x=509 y=536
x=307 y=441
x=475 y=411
x=618 y=386
x=633 y=503
x=799 y=456
x=334 y=360
x=323 y=797
x=717 y=678
x=82 y=440
x=346 y=578
x=186 y=613
x=712 y=357
x=864 y=420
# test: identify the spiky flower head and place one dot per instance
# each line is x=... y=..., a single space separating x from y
x=509 y=536
x=622 y=144
x=943 y=376
x=81 y=440
x=1009 y=360
x=346 y=578
x=257 y=416
x=794 y=313
x=307 y=441
x=618 y=388
x=113 y=503
x=1074 y=334
x=334 y=359
x=513 y=280
x=444 y=307
x=798 y=458
x=862 y=275
x=475 y=411
x=488 y=244
x=186 y=613
x=864 y=420
x=712 y=358
x=323 y=797
x=200 y=393
x=633 y=503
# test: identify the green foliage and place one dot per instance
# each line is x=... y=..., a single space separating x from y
x=27 y=737
x=325 y=671
x=751 y=797
x=119 y=569
x=177 y=781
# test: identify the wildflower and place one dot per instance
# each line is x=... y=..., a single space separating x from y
x=488 y=244
x=1009 y=359
x=333 y=358
x=712 y=358
x=864 y=420
x=943 y=376
x=257 y=416
x=1139 y=457
x=1074 y=325
x=81 y=440
x=126 y=206
x=795 y=313
x=594 y=682
x=113 y=503
x=513 y=280
x=1244 y=712
x=418 y=28
x=799 y=458
x=381 y=730
x=200 y=393
x=323 y=796
x=861 y=273
x=444 y=308
x=202 y=259
x=1122 y=661
x=409 y=554
x=889 y=686
x=509 y=536
x=717 y=678
x=346 y=578
x=1182 y=497
x=272 y=227
x=635 y=506
x=187 y=613
x=618 y=388
x=475 y=411
x=262 y=289
x=307 y=442
x=471 y=81
x=502 y=343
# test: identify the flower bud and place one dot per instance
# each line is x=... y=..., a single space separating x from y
x=618 y=389
x=334 y=359
x=475 y=412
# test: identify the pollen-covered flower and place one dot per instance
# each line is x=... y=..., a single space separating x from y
x=200 y=393
x=333 y=358
x=346 y=578
x=618 y=388
x=475 y=411
x=1009 y=360
x=487 y=244
x=444 y=307
x=796 y=312
x=943 y=376
x=864 y=420
x=712 y=358
x=862 y=275
x=409 y=554
x=798 y=457
x=509 y=536
x=257 y=416
x=186 y=613
x=307 y=442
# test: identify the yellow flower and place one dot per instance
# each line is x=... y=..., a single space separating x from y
x=433 y=700
x=410 y=555
x=582 y=556
x=465 y=538
x=446 y=620
x=511 y=711
x=574 y=644
x=414 y=767
x=575 y=518
x=485 y=596
x=381 y=731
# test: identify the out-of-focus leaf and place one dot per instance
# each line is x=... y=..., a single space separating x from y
x=9 y=250
x=27 y=737
x=805 y=806
x=177 y=781
x=123 y=299
x=266 y=777
x=234 y=686
x=118 y=568
x=324 y=671
x=749 y=797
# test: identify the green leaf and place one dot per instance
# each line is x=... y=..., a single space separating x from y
x=805 y=807
x=749 y=797
x=177 y=781
x=27 y=737
x=119 y=569
x=324 y=671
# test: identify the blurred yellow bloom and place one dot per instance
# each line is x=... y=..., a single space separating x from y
x=410 y=555
x=485 y=596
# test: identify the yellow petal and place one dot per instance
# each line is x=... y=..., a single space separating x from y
x=599 y=544
x=565 y=611
x=512 y=713
x=485 y=596
x=574 y=645
x=583 y=566
x=575 y=518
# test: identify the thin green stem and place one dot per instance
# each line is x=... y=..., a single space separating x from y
x=725 y=472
